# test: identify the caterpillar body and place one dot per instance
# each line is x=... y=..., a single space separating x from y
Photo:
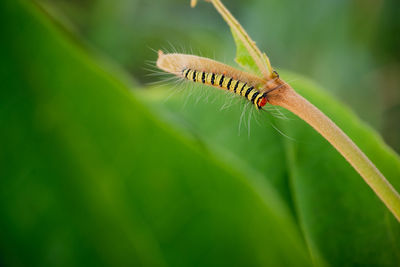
x=228 y=83
x=213 y=73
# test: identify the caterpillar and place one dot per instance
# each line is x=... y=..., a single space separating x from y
x=229 y=83
x=213 y=73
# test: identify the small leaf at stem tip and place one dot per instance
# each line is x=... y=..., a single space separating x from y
x=193 y=3
x=248 y=54
x=243 y=58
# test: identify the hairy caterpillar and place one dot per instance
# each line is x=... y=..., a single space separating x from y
x=213 y=73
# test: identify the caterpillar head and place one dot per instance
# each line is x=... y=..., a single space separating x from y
x=262 y=101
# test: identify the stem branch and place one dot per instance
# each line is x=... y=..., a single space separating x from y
x=289 y=99
x=260 y=59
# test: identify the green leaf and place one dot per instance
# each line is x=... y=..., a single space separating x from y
x=340 y=214
x=341 y=219
x=243 y=58
x=248 y=54
x=91 y=176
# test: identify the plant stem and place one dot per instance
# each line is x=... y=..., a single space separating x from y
x=260 y=59
x=289 y=99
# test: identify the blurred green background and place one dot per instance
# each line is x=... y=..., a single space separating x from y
x=351 y=48
x=98 y=169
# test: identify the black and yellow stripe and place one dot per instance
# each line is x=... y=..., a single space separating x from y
x=228 y=83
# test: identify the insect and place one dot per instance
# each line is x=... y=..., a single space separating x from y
x=213 y=73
